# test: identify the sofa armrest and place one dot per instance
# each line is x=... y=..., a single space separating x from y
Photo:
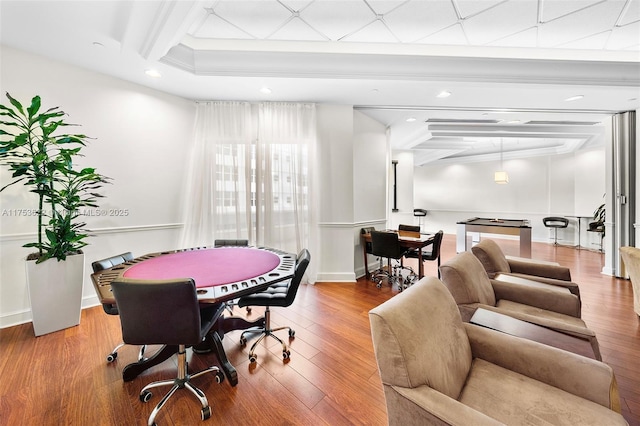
x=539 y=268
x=573 y=287
x=578 y=375
x=540 y=295
x=426 y=406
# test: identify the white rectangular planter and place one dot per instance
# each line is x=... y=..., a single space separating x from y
x=55 y=291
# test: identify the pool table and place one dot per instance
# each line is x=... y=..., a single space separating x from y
x=519 y=227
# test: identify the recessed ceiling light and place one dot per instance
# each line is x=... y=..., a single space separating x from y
x=443 y=94
x=153 y=73
x=574 y=98
x=411 y=119
x=265 y=90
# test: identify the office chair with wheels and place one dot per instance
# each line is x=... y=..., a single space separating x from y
x=367 y=247
x=167 y=313
x=111 y=308
x=387 y=245
x=430 y=252
x=280 y=294
x=232 y=243
x=555 y=223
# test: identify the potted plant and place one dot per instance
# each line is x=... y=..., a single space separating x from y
x=41 y=157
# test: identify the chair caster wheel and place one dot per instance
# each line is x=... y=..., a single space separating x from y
x=252 y=358
x=219 y=377
x=205 y=413
x=145 y=396
x=243 y=341
x=112 y=357
x=286 y=355
x=292 y=333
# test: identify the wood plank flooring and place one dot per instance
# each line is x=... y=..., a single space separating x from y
x=63 y=378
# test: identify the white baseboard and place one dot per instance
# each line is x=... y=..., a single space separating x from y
x=336 y=277
x=24 y=316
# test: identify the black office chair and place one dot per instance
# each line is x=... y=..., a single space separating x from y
x=387 y=245
x=429 y=253
x=280 y=294
x=167 y=313
x=409 y=228
x=367 y=244
x=232 y=243
x=112 y=308
x=367 y=230
x=555 y=223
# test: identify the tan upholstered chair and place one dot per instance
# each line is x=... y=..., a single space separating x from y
x=437 y=370
x=631 y=259
x=548 y=305
x=495 y=262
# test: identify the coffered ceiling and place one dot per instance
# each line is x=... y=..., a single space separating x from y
x=508 y=65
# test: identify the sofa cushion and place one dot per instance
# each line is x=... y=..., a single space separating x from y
x=512 y=398
x=467 y=280
x=491 y=257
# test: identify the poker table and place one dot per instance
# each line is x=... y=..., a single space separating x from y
x=519 y=227
x=220 y=274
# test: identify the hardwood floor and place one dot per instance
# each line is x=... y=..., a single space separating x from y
x=63 y=378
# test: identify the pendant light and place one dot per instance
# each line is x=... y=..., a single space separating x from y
x=501 y=176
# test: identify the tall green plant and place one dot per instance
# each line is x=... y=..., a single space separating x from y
x=41 y=158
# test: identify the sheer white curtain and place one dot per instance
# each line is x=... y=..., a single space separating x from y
x=251 y=176
x=217 y=197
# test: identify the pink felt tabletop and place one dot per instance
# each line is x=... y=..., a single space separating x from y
x=207 y=267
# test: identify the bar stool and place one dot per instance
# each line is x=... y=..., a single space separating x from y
x=555 y=223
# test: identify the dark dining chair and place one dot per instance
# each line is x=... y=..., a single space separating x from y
x=430 y=252
x=112 y=308
x=167 y=313
x=280 y=294
x=387 y=245
x=409 y=228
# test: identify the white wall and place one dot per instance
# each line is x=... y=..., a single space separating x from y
x=141 y=138
x=564 y=185
x=371 y=166
x=335 y=162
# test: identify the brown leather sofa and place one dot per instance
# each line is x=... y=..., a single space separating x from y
x=551 y=306
x=495 y=262
x=437 y=370
x=631 y=259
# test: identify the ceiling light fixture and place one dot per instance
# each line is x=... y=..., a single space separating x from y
x=574 y=98
x=411 y=119
x=443 y=94
x=501 y=177
x=153 y=73
x=265 y=90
